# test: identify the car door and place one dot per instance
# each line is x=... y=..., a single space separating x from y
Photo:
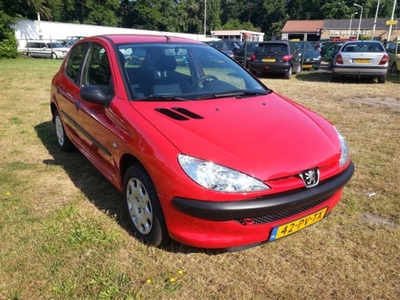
x=92 y=120
x=68 y=88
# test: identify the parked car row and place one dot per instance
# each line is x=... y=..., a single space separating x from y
x=346 y=57
x=50 y=48
x=44 y=49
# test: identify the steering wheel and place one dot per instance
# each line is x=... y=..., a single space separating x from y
x=196 y=84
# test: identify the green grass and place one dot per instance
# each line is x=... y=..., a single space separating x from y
x=64 y=235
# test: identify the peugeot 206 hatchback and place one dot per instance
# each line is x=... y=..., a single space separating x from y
x=203 y=153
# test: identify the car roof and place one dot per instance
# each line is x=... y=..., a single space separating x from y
x=141 y=38
x=274 y=42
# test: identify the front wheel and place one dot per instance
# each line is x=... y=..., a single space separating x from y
x=53 y=55
x=143 y=207
x=298 y=69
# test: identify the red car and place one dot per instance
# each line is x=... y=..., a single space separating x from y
x=203 y=152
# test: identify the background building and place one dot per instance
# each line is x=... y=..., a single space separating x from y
x=342 y=28
x=238 y=35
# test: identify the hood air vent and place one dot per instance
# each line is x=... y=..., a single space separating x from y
x=188 y=113
x=179 y=113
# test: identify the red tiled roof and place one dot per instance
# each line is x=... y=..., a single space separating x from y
x=302 y=26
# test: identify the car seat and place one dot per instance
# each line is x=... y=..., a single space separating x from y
x=167 y=82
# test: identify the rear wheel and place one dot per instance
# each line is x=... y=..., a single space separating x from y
x=143 y=207
x=382 y=79
x=335 y=77
x=393 y=69
x=64 y=143
x=288 y=74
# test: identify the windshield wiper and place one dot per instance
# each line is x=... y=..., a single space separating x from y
x=163 y=98
x=237 y=93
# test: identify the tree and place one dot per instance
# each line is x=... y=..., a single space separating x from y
x=8 y=42
x=270 y=16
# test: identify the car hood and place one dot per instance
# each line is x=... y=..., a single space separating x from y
x=268 y=136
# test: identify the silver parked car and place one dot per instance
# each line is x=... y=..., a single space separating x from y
x=361 y=59
x=45 y=49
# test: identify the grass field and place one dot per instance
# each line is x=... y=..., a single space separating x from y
x=64 y=235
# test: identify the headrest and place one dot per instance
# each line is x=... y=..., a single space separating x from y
x=166 y=63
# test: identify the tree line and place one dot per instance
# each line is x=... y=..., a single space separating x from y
x=188 y=16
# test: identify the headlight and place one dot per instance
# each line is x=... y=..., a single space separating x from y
x=218 y=178
x=344 y=155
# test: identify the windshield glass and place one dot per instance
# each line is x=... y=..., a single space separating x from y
x=55 y=45
x=183 y=72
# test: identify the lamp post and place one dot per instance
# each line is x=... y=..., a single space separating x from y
x=376 y=17
x=351 y=20
x=359 y=23
x=205 y=17
x=391 y=19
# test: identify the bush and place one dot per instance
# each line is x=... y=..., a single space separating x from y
x=8 y=45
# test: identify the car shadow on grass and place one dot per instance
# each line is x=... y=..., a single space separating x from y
x=325 y=75
x=97 y=188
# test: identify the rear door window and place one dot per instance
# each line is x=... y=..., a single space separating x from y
x=74 y=62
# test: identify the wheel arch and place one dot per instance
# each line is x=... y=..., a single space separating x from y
x=125 y=162
x=53 y=109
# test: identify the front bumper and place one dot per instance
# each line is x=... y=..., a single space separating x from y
x=226 y=211
x=238 y=223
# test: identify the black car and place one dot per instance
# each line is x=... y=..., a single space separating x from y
x=249 y=51
x=275 y=57
x=232 y=48
x=312 y=58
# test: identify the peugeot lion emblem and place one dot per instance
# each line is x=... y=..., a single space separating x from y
x=310 y=177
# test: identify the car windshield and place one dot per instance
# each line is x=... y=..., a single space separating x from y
x=300 y=46
x=276 y=48
x=55 y=45
x=176 y=72
x=219 y=45
x=251 y=47
x=363 y=47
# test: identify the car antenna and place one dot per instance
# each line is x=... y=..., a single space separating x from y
x=152 y=26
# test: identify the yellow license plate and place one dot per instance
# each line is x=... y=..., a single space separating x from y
x=362 y=61
x=307 y=66
x=268 y=59
x=289 y=228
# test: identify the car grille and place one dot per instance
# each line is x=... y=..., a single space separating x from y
x=280 y=215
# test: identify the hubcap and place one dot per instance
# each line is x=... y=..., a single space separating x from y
x=139 y=206
x=59 y=131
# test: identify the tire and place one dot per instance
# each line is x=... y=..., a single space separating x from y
x=335 y=77
x=53 y=55
x=63 y=141
x=288 y=74
x=382 y=79
x=143 y=207
x=393 y=69
x=298 y=70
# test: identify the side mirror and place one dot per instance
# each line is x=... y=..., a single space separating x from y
x=93 y=94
